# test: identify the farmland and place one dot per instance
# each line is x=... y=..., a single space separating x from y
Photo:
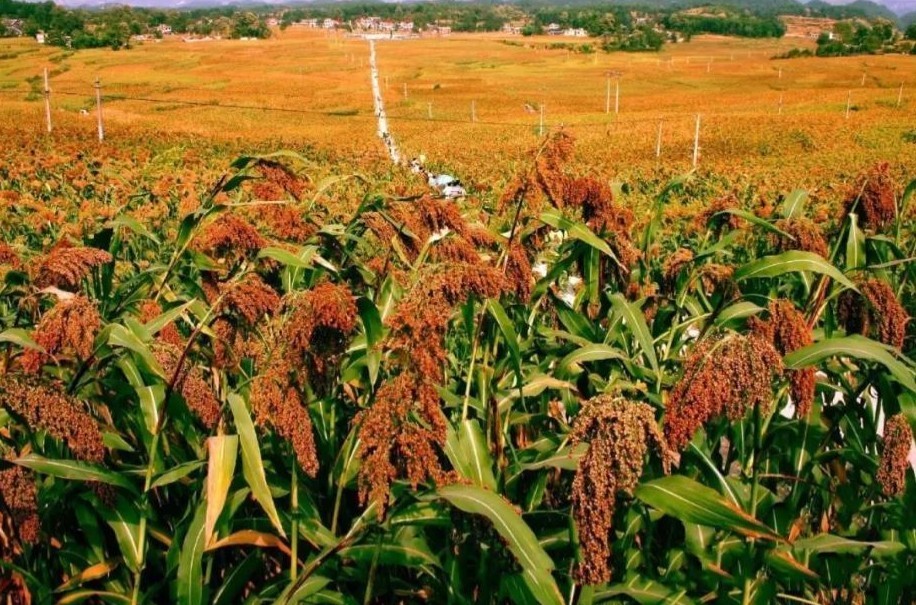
x=246 y=359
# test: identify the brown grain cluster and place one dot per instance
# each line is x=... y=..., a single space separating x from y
x=311 y=336
x=249 y=300
x=674 y=265
x=150 y=310
x=787 y=330
x=18 y=494
x=403 y=429
x=65 y=267
x=715 y=277
x=8 y=256
x=713 y=216
x=518 y=272
x=189 y=381
x=69 y=327
x=804 y=235
x=230 y=239
x=391 y=442
x=723 y=376
x=286 y=222
x=46 y=407
x=874 y=311
x=873 y=197
x=419 y=323
x=619 y=433
x=894 y=464
x=276 y=181
x=319 y=324
x=276 y=402
x=410 y=225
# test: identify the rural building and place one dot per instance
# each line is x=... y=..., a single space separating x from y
x=575 y=32
x=330 y=24
x=40 y=37
x=553 y=29
x=313 y=23
x=13 y=26
x=165 y=30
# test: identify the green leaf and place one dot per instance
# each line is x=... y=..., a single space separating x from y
x=303 y=260
x=252 y=464
x=794 y=204
x=404 y=552
x=223 y=450
x=831 y=544
x=120 y=336
x=739 y=310
x=576 y=231
x=644 y=591
x=592 y=352
x=855 y=244
x=689 y=501
x=788 y=262
x=124 y=520
x=372 y=321
x=176 y=473
x=132 y=224
x=856 y=346
x=74 y=471
x=467 y=451
x=151 y=398
x=508 y=331
x=20 y=337
x=536 y=564
x=190 y=568
x=104 y=596
x=156 y=324
x=635 y=320
x=755 y=220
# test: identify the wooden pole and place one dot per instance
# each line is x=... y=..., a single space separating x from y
x=473 y=111
x=780 y=103
x=405 y=90
x=900 y=95
x=98 y=105
x=541 y=124
x=617 y=98
x=607 y=96
x=848 y=103
x=429 y=110
x=863 y=78
x=47 y=101
x=696 y=143
x=658 y=142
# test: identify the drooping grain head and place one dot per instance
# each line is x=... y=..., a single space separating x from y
x=18 y=495
x=66 y=267
x=805 y=235
x=894 y=463
x=190 y=382
x=874 y=311
x=230 y=240
x=619 y=434
x=724 y=375
x=46 y=406
x=70 y=327
x=787 y=330
x=873 y=197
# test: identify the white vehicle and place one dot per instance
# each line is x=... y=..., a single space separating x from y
x=447 y=185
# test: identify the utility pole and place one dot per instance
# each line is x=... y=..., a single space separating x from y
x=780 y=103
x=47 y=101
x=900 y=95
x=848 y=103
x=607 y=96
x=696 y=143
x=541 y=124
x=429 y=110
x=658 y=141
x=473 y=111
x=617 y=98
x=98 y=104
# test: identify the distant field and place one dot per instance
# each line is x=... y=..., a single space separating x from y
x=318 y=86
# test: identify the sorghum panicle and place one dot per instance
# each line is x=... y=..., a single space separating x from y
x=619 y=433
x=894 y=464
x=723 y=376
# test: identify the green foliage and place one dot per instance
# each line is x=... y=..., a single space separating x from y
x=765 y=507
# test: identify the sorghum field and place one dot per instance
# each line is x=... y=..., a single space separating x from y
x=244 y=359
